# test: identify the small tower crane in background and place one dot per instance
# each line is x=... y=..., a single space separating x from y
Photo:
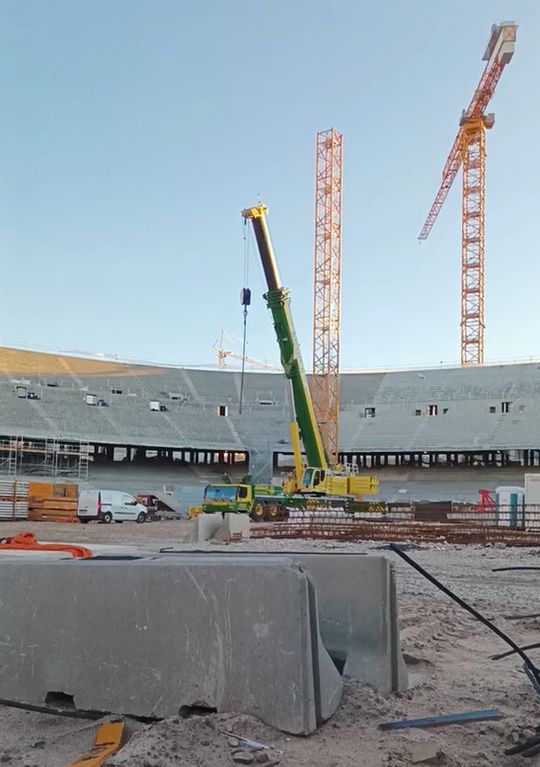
x=327 y=288
x=469 y=150
x=224 y=353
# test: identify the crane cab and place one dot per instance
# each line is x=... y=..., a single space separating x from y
x=320 y=481
x=313 y=481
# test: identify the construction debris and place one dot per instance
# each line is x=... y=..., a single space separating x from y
x=528 y=747
x=243 y=757
x=424 y=753
x=437 y=721
x=108 y=741
x=532 y=671
x=235 y=740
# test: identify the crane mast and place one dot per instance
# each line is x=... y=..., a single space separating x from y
x=278 y=301
x=468 y=150
x=327 y=288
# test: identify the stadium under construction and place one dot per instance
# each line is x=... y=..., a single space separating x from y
x=66 y=416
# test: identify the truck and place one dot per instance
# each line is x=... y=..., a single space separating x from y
x=317 y=484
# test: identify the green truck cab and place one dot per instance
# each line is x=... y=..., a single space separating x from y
x=259 y=501
x=225 y=497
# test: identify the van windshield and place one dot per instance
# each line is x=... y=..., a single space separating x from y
x=220 y=492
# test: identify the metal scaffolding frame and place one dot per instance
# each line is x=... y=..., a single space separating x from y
x=58 y=459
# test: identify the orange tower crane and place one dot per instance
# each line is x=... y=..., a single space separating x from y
x=327 y=288
x=469 y=150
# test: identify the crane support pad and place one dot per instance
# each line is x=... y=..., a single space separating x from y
x=108 y=740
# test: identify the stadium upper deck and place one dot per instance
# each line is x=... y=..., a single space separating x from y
x=458 y=410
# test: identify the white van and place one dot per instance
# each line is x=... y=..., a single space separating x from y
x=109 y=506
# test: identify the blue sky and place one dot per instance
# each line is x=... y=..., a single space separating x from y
x=133 y=132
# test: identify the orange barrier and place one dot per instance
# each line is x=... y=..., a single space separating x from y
x=28 y=542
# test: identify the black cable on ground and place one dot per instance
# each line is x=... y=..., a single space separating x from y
x=74 y=713
x=529 y=747
x=70 y=713
x=535 y=673
x=251 y=552
x=517 y=567
x=511 y=652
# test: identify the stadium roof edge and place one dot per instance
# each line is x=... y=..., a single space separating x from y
x=125 y=360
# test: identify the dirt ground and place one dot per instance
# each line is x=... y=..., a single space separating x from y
x=447 y=651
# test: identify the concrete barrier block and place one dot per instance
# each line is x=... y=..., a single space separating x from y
x=204 y=527
x=149 y=636
x=358 y=616
x=234 y=527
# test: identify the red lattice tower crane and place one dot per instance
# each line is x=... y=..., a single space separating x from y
x=469 y=150
x=327 y=288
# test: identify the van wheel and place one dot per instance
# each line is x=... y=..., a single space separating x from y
x=141 y=517
x=107 y=517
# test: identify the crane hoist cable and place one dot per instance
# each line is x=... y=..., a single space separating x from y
x=245 y=300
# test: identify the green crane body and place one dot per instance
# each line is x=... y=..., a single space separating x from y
x=278 y=301
x=332 y=488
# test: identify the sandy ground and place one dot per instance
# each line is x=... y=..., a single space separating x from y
x=447 y=650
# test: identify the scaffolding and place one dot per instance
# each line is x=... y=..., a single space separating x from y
x=21 y=456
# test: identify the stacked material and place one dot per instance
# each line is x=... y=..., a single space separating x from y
x=13 y=499
x=53 y=502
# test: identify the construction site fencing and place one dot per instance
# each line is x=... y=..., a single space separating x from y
x=520 y=516
x=458 y=523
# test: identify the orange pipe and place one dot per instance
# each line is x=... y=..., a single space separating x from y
x=28 y=542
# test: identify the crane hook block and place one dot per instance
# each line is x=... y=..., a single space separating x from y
x=245 y=296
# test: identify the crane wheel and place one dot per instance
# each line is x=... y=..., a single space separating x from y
x=258 y=512
x=272 y=512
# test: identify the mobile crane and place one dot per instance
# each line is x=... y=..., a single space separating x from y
x=317 y=483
